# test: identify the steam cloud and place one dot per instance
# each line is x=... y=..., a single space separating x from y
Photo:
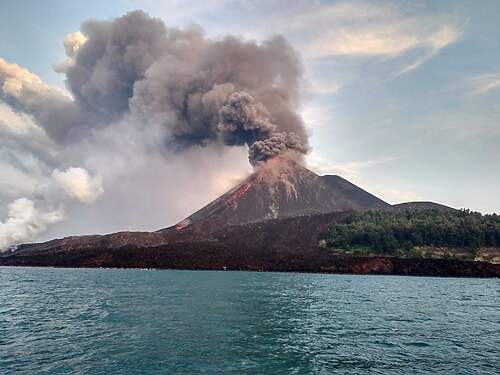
x=159 y=90
x=78 y=184
x=25 y=222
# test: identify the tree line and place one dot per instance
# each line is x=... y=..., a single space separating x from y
x=386 y=232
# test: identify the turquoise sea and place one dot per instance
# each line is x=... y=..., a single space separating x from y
x=103 y=321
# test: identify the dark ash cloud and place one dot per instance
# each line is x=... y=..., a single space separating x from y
x=200 y=91
x=275 y=145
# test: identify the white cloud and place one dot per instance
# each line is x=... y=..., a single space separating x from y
x=322 y=87
x=317 y=115
x=360 y=29
x=79 y=184
x=394 y=196
x=25 y=222
x=13 y=78
x=385 y=40
x=389 y=40
x=350 y=171
x=327 y=15
x=353 y=172
x=485 y=83
x=437 y=41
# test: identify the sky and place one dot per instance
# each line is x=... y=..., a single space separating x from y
x=400 y=97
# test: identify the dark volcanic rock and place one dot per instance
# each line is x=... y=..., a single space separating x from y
x=107 y=241
x=358 y=198
x=216 y=256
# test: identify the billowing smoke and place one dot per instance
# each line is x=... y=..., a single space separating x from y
x=79 y=184
x=242 y=120
x=25 y=222
x=228 y=91
x=275 y=145
x=147 y=91
x=72 y=43
x=27 y=218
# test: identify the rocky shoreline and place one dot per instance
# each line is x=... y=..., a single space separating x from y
x=210 y=256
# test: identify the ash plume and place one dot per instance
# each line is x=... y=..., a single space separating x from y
x=243 y=120
x=200 y=91
x=142 y=101
x=275 y=145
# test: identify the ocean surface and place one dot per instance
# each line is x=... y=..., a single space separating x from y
x=97 y=321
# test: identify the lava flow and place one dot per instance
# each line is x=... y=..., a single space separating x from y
x=179 y=227
x=240 y=193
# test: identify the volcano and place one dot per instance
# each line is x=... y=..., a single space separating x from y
x=279 y=189
x=282 y=189
x=271 y=221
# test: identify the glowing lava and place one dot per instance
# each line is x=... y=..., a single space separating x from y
x=240 y=192
x=179 y=227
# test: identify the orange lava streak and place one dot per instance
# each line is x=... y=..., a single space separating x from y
x=240 y=193
x=182 y=225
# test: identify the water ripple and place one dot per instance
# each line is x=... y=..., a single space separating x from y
x=81 y=321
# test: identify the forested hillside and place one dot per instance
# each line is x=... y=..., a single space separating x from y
x=394 y=232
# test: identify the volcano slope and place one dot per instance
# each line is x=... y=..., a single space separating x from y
x=272 y=221
x=281 y=189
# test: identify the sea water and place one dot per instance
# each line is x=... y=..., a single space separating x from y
x=112 y=321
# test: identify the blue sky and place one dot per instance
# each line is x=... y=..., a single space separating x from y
x=400 y=97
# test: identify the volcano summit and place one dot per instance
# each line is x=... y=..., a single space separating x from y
x=282 y=188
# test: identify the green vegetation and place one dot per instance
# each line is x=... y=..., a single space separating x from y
x=398 y=233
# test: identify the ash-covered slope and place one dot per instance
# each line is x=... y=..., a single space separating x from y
x=358 y=198
x=105 y=241
x=281 y=189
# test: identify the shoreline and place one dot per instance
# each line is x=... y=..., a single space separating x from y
x=315 y=261
x=249 y=271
